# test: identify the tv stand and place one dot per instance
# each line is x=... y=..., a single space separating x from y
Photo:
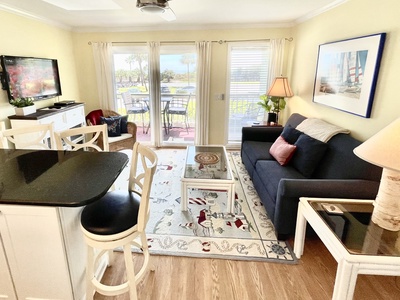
x=65 y=117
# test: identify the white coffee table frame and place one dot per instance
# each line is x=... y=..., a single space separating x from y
x=209 y=184
x=349 y=265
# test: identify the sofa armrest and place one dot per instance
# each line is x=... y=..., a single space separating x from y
x=290 y=190
x=261 y=134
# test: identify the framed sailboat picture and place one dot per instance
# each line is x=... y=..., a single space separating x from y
x=347 y=73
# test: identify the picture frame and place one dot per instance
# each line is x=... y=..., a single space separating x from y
x=347 y=73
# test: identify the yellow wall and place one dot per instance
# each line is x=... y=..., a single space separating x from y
x=352 y=19
x=27 y=37
x=86 y=74
x=22 y=36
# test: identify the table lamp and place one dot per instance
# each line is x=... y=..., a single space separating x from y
x=280 y=88
x=383 y=149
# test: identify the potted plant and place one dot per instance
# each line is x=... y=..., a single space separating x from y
x=272 y=105
x=23 y=106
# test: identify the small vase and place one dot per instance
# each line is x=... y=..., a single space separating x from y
x=27 y=110
x=272 y=117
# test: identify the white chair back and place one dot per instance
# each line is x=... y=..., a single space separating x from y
x=144 y=165
x=65 y=139
x=40 y=137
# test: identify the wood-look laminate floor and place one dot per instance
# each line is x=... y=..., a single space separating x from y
x=181 y=278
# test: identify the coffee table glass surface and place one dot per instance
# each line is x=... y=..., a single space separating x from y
x=207 y=162
x=207 y=168
x=351 y=223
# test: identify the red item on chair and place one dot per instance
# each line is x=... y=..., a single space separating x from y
x=94 y=117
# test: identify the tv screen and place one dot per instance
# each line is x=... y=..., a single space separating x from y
x=33 y=77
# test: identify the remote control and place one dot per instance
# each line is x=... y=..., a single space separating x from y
x=332 y=209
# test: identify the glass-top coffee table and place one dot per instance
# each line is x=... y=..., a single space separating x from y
x=357 y=244
x=207 y=168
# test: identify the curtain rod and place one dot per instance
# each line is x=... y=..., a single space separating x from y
x=179 y=42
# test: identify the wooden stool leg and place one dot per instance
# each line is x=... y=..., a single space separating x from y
x=146 y=253
x=130 y=272
x=89 y=273
x=110 y=257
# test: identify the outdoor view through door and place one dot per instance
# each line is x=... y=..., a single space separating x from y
x=177 y=89
x=247 y=81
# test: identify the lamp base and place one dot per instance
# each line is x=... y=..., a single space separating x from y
x=386 y=212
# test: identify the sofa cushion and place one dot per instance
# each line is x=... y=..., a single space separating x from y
x=113 y=125
x=340 y=154
x=282 y=151
x=257 y=150
x=290 y=134
x=124 y=122
x=270 y=172
x=308 y=154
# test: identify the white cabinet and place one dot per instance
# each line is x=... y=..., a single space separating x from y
x=45 y=251
x=6 y=283
x=62 y=119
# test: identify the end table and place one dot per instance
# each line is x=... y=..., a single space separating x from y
x=358 y=245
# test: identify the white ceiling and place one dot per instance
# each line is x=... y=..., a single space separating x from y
x=115 y=15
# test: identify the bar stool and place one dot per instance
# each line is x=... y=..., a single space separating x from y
x=116 y=220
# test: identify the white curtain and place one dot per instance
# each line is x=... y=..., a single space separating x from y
x=154 y=89
x=102 y=55
x=276 y=59
x=203 y=50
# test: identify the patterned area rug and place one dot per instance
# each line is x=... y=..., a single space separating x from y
x=206 y=229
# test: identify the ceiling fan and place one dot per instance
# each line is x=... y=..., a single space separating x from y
x=160 y=7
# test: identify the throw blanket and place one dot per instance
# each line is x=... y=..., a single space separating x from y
x=319 y=129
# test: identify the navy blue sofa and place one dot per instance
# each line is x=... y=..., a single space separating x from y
x=338 y=174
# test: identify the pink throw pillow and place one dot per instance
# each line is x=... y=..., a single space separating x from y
x=282 y=151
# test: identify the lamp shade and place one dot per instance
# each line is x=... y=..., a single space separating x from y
x=280 y=88
x=383 y=148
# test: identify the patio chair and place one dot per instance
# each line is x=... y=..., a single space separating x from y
x=179 y=107
x=136 y=105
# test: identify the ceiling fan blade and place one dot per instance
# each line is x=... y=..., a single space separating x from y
x=168 y=15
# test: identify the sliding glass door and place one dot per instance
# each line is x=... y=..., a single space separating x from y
x=177 y=93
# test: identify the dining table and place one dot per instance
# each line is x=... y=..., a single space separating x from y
x=42 y=194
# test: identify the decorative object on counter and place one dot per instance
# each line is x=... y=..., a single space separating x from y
x=382 y=150
x=274 y=101
x=23 y=106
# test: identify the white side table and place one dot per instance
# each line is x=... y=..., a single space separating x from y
x=358 y=245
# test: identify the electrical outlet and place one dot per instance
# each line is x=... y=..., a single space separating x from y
x=220 y=97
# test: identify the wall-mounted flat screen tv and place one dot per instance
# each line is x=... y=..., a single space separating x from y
x=33 y=77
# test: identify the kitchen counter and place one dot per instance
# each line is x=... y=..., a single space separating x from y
x=42 y=194
x=57 y=178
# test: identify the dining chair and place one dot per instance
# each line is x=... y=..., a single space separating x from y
x=136 y=105
x=40 y=137
x=116 y=220
x=179 y=106
x=69 y=139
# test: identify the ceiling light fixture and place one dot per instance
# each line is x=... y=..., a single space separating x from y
x=152 y=9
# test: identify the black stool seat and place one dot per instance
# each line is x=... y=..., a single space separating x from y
x=116 y=212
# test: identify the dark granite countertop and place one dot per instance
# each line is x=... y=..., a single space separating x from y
x=57 y=178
